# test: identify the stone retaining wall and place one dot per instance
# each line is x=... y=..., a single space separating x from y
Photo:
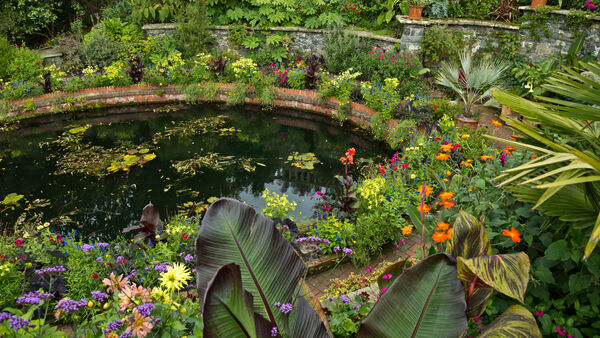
x=303 y=39
x=50 y=105
x=485 y=34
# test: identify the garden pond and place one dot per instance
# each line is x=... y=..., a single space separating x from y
x=99 y=173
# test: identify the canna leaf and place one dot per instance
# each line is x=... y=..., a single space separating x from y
x=508 y=273
x=515 y=321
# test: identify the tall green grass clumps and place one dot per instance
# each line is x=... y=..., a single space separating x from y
x=237 y=94
x=264 y=87
x=197 y=92
x=339 y=48
x=5 y=109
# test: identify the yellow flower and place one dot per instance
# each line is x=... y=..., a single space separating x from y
x=413 y=176
x=160 y=296
x=407 y=230
x=486 y=157
x=464 y=136
x=176 y=277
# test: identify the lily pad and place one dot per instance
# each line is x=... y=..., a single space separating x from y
x=303 y=161
x=194 y=165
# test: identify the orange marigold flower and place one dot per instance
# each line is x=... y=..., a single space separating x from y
x=446 y=147
x=428 y=190
x=439 y=237
x=534 y=156
x=442 y=226
x=425 y=208
x=450 y=233
x=513 y=234
x=407 y=230
x=496 y=123
x=486 y=157
x=446 y=195
x=466 y=163
x=343 y=159
x=351 y=151
x=442 y=156
x=448 y=173
x=447 y=204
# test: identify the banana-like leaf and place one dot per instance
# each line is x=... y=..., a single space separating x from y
x=227 y=309
x=427 y=300
x=233 y=232
x=516 y=321
x=469 y=239
x=508 y=273
x=306 y=314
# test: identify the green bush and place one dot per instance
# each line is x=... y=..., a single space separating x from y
x=7 y=52
x=98 y=49
x=237 y=94
x=26 y=65
x=21 y=89
x=440 y=44
x=339 y=48
x=197 y=92
x=443 y=107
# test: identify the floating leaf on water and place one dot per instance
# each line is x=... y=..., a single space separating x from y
x=199 y=126
x=11 y=199
x=212 y=161
x=303 y=161
x=247 y=164
x=143 y=150
x=78 y=130
x=149 y=157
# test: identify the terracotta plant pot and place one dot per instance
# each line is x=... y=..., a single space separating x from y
x=506 y=112
x=538 y=3
x=414 y=12
x=467 y=123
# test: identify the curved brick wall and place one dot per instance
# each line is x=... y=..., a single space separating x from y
x=109 y=97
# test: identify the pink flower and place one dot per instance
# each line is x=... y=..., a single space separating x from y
x=19 y=242
x=383 y=290
x=368 y=269
x=476 y=319
x=404 y=165
x=539 y=313
x=560 y=331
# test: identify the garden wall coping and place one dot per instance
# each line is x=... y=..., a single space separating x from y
x=403 y=19
x=51 y=104
x=558 y=12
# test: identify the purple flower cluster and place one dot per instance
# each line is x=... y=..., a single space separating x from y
x=274 y=331
x=86 y=248
x=126 y=334
x=103 y=245
x=99 y=296
x=355 y=306
x=113 y=326
x=99 y=259
x=314 y=239
x=120 y=260
x=15 y=322
x=51 y=270
x=145 y=309
x=188 y=258
x=348 y=251
x=315 y=247
x=68 y=305
x=284 y=308
x=345 y=299
x=337 y=249
x=132 y=274
x=301 y=239
x=34 y=298
x=161 y=267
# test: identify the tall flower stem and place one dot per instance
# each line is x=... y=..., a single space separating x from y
x=423 y=240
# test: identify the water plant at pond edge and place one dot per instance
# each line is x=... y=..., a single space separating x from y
x=225 y=236
x=76 y=157
x=303 y=161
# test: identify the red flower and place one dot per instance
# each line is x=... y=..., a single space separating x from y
x=184 y=236
x=95 y=275
x=19 y=242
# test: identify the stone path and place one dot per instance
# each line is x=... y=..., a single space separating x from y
x=317 y=283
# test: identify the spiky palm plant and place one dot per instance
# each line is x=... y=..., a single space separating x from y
x=471 y=80
x=564 y=179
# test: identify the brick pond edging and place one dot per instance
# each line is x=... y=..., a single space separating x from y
x=54 y=104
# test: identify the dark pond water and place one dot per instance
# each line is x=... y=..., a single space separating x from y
x=104 y=205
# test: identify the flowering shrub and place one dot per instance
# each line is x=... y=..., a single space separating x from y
x=335 y=233
x=383 y=99
x=243 y=69
x=340 y=87
x=345 y=315
x=278 y=206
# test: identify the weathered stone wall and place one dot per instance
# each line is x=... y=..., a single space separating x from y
x=536 y=42
x=303 y=39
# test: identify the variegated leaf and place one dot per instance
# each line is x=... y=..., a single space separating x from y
x=508 y=274
x=516 y=321
x=469 y=237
